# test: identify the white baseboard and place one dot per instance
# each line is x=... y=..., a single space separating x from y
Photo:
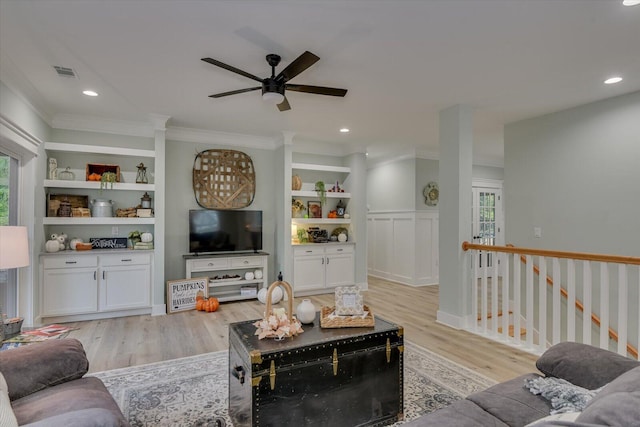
x=159 y=310
x=455 y=322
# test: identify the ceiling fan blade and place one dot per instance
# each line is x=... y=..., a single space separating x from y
x=284 y=105
x=320 y=90
x=230 y=68
x=301 y=63
x=234 y=92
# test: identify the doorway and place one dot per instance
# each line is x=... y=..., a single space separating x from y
x=487 y=221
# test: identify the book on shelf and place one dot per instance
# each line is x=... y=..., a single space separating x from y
x=143 y=246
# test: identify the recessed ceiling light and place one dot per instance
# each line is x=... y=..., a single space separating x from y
x=613 y=80
x=90 y=93
x=630 y=2
x=344 y=130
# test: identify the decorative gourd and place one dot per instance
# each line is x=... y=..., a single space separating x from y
x=52 y=245
x=146 y=237
x=296 y=183
x=209 y=305
x=212 y=304
x=74 y=242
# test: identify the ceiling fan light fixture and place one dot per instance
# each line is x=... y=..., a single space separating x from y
x=272 y=97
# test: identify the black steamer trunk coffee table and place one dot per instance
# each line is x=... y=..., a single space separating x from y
x=322 y=377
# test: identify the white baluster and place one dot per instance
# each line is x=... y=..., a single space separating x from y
x=622 y=309
x=571 y=300
x=494 y=294
x=474 y=290
x=604 y=305
x=557 y=320
x=528 y=304
x=586 y=302
x=517 y=290
x=542 y=306
x=485 y=309
x=505 y=295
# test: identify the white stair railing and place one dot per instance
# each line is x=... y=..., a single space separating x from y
x=534 y=298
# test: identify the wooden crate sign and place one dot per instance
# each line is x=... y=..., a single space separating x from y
x=181 y=294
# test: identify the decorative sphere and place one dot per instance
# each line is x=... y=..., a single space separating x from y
x=262 y=295
x=342 y=237
x=248 y=275
x=257 y=274
x=276 y=295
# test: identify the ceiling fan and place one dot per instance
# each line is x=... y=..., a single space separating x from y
x=273 y=87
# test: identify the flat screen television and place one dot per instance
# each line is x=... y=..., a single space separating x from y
x=215 y=231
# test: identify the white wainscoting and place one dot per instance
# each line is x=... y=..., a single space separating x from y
x=403 y=246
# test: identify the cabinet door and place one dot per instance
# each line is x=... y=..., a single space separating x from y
x=340 y=270
x=308 y=272
x=125 y=287
x=69 y=291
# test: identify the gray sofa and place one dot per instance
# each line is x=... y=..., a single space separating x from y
x=511 y=404
x=47 y=387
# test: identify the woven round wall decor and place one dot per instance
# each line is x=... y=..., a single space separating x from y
x=223 y=179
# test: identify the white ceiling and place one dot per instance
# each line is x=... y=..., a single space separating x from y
x=402 y=62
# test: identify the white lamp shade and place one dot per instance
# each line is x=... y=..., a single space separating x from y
x=14 y=247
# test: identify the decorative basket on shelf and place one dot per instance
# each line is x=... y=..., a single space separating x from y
x=278 y=323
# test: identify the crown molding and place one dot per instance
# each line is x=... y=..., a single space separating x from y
x=202 y=136
x=104 y=125
x=11 y=131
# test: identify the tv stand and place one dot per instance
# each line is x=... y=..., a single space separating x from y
x=226 y=273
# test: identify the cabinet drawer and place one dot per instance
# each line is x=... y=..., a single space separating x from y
x=124 y=259
x=71 y=261
x=308 y=250
x=347 y=249
x=246 y=262
x=209 y=264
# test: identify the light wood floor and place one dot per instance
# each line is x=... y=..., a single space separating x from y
x=135 y=340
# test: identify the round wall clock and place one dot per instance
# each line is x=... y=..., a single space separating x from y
x=431 y=194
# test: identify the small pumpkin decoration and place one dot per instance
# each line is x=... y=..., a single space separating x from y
x=209 y=305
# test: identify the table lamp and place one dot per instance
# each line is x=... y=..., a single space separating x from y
x=14 y=253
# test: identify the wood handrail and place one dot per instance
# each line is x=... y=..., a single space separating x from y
x=613 y=334
x=585 y=256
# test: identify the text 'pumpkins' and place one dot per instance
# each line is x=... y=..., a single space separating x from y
x=208 y=305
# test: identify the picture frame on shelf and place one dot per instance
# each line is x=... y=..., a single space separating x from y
x=314 y=208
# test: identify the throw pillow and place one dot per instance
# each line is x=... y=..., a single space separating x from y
x=7 y=418
x=618 y=404
x=564 y=396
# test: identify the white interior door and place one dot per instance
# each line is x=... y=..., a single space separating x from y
x=487 y=221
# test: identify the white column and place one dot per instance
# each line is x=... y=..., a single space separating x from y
x=455 y=176
x=158 y=306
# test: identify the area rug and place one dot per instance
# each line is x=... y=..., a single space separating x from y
x=192 y=391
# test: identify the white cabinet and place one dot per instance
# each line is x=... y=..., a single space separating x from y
x=320 y=268
x=125 y=280
x=70 y=285
x=227 y=274
x=95 y=284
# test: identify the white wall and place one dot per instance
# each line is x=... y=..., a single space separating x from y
x=390 y=187
x=576 y=174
